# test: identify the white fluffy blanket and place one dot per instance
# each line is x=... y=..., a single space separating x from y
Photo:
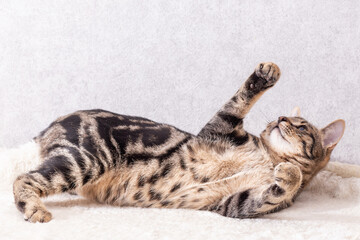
x=329 y=208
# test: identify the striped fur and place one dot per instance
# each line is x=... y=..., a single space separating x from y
x=132 y=161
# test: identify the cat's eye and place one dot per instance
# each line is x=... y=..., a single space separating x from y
x=302 y=128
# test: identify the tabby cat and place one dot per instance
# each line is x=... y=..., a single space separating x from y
x=132 y=161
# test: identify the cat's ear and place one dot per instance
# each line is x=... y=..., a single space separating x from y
x=332 y=133
x=295 y=112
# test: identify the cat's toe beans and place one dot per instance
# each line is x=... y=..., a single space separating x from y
x=268 y=71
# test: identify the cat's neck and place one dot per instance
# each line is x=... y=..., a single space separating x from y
x=268 y=152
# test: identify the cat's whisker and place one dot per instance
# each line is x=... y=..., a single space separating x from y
x=265 y=117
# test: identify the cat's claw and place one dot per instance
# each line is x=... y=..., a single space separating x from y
x=268 y=71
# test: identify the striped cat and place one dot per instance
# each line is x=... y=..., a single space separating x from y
x=132 y=161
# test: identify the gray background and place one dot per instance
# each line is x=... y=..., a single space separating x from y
x=177 y=61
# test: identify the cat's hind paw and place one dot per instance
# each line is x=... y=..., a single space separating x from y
x=39 y=214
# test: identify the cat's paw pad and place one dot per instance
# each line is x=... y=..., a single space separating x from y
x=264 y=77
x=268 y=71
x=39 y=214
x=287 y=176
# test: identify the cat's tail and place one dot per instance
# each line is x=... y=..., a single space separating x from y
x=15 y=161
x=344 y=170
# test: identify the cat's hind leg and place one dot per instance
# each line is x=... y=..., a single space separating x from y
x=63 y=171
x=27 y=189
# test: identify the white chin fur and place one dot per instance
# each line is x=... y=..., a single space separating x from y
x=15 y=161
x=279 y=143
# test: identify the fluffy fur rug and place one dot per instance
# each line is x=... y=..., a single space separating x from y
x=329 y=208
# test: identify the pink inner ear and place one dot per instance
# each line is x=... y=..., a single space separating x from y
x=333 y=133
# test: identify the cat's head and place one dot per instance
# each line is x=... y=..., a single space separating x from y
x=296 y=140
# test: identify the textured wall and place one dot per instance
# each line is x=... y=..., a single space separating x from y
x=177 y=61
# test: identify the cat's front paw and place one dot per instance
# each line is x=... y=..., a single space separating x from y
x=288 y=176
x=268 y=71
x=264 y=77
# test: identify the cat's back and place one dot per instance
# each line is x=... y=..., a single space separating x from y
x=112 y=135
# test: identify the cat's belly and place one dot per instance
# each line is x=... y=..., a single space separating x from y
x=134 y=187
x=131 y=187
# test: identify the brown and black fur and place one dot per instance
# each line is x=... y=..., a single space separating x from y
x=132 y=161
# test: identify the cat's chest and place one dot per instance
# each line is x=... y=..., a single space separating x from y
x=216 y=166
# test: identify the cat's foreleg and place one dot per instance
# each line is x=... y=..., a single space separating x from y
x=258 y=200
x=229 y=119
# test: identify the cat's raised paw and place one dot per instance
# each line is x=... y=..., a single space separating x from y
x=264 y=77
x=38 y=215
x=268 y=71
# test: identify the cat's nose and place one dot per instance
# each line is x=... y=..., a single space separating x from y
x=283 y=119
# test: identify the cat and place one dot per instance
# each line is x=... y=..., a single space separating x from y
x=132 y=161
